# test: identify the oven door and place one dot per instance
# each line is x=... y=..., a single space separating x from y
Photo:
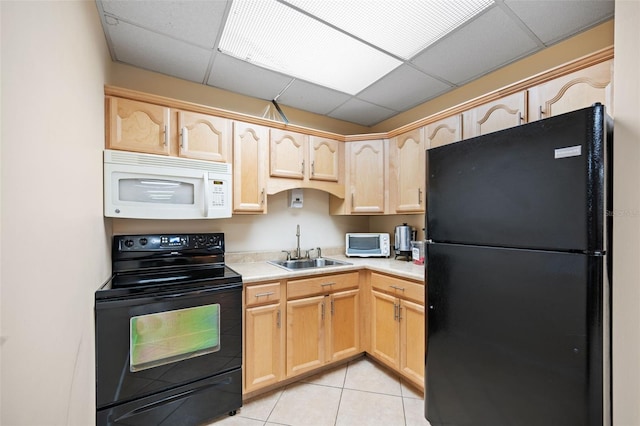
x=146 y=345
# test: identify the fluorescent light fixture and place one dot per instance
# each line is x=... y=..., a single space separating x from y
x=342 y=44
x=275 y=36
x=400 y=27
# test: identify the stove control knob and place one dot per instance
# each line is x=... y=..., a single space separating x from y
x=128 y=243
x=143 y=241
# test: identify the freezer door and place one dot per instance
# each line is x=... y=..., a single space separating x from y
x=515 y=337
x=540 y=185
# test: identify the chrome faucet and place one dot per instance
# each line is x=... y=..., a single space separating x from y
x=298 y=239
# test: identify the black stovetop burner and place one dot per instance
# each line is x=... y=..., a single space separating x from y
x=147 y=264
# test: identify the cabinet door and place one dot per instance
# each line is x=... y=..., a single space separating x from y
x=305 y=334
x=406 y=172
x=493 y=116
x=287 y=150
x=443 y=132
x=263 y=357
x=324 y=156
x=412 y=337
x=250 y=144
x=138 y=126
x=384 y=328
x=366 y=176
x=573 y=91
x=204 y=137
x=344 y=329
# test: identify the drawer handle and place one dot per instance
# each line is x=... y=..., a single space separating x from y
x=268 y=293
x=327 y=284
x=397 y=288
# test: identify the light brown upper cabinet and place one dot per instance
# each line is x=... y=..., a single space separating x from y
x=288 y=151
x=298 y=156
x=500 y=114
x=406 y=172
x=577 y=90
x=154 y=129
x=365 y=179
x=324 y=158
x=303 y=161
x=250 y=153
x=443 y=132
x=138 y=126
x=204 y=137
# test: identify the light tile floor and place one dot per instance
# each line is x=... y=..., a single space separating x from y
x=359 y=393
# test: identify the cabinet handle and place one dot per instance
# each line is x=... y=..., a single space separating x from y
x=397 y=288
x=278 y=319
x=313 y=168
x=268 y=293
x=262 y=197
x=540 y=112
x=395 y=312
x=353 y=200
x=399 y=313
x=303 y=167
x=327 y=284
x=166 y=134
x=419 y=196
x=323 y=311
x=332 y=308
x=520 y=118
x=184 y=137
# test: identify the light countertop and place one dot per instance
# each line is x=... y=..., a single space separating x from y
x=260 y=270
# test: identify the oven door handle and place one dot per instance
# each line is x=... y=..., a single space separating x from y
x=197 y=292
x=150 y=298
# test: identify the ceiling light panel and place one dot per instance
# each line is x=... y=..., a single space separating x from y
x=400 y=27
x=278 y=37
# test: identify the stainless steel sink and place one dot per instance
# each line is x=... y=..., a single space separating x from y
x=294 y=265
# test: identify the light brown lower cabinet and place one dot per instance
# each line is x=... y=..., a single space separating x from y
x=322 y=329
x=397 y=326
x=263 y=336
x=300 y=325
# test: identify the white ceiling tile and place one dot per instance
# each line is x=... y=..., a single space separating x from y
x=146 y=49
x=194 y=21
x=361 y=112
x=242 y=77
x=552 y=20
x=403 y=88
x=485 y=44
x=179 y=38
x=313 y=98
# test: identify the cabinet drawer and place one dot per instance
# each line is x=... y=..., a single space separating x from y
x=262 y=293
x=321 y=285
x=398 y=287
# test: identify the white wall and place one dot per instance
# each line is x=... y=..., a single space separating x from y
x=272 y=232
x=626 y=249
x=54 y=65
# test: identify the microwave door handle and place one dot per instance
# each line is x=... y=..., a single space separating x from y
x=206 y=194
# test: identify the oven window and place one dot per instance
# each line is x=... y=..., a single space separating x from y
x=155 y=191
x=170 y=336
x=364 y=243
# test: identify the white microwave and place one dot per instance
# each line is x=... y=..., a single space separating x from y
x=147 y=186
x=367 y=244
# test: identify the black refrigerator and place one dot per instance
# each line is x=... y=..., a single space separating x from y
x=518 y=276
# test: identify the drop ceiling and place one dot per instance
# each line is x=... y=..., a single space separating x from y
x=181 y=39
